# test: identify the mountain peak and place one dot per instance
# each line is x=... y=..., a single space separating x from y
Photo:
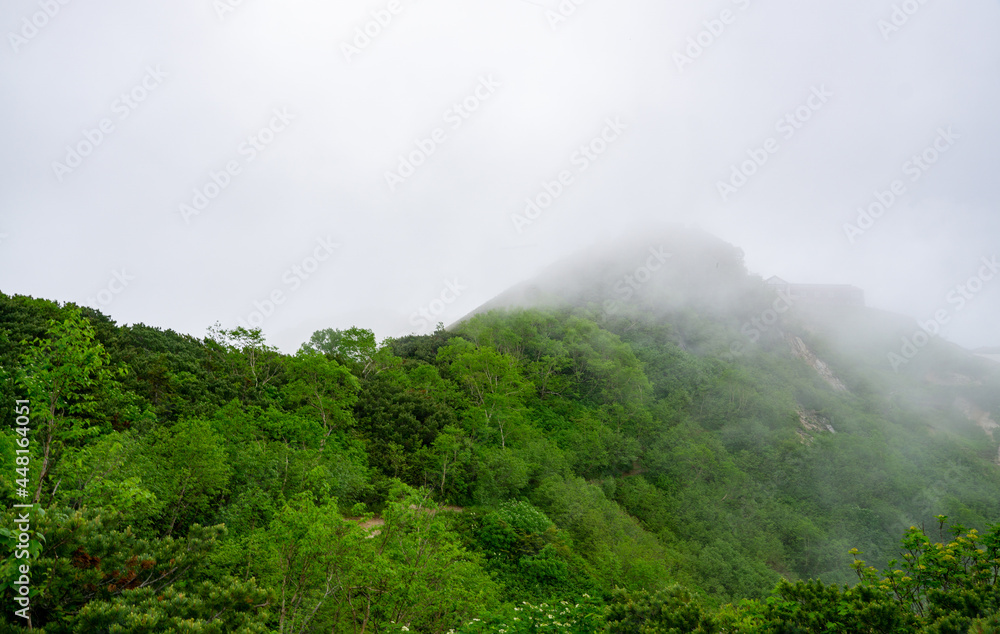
x=668 y=266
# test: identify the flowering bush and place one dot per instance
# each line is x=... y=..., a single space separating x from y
x=584 y=617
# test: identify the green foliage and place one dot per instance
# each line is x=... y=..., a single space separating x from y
x=190 y=461
x=812 y=607
x=452 y=452
x=322 y=389
x=522 y=516
x=939 y=587
x=399 y=414
x=585 y=616
x=325 y=341
x=668 y=611
x=63 y=376
x=104 y=473
x=207 y=608
x=987 y=625
x=494 y=385
x=88 y=555
x=245 y=356
x=955 y=581
x=304 y=555
x=354 y=347
x=614 y=458
x=334 y=574
x=530 y=556
x=613 y=543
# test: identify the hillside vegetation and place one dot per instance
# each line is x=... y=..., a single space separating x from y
x=567 y=459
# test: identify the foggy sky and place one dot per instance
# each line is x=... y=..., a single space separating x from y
x=292 y=116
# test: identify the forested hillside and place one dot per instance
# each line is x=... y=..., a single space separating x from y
x=568 y=459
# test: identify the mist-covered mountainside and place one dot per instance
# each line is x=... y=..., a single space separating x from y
x=645 y=436
x=664 y=268
x=698 y=287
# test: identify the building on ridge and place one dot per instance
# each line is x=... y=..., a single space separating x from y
x=836 y=294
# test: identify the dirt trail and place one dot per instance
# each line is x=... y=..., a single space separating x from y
x=371 y=525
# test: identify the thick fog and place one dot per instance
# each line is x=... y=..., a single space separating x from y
x=389 y=164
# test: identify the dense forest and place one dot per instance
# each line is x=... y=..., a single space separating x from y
x=576 y=466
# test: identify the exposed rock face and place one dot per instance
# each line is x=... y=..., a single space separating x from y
x=813 y=423
x=801 y=350
x=979 y=417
